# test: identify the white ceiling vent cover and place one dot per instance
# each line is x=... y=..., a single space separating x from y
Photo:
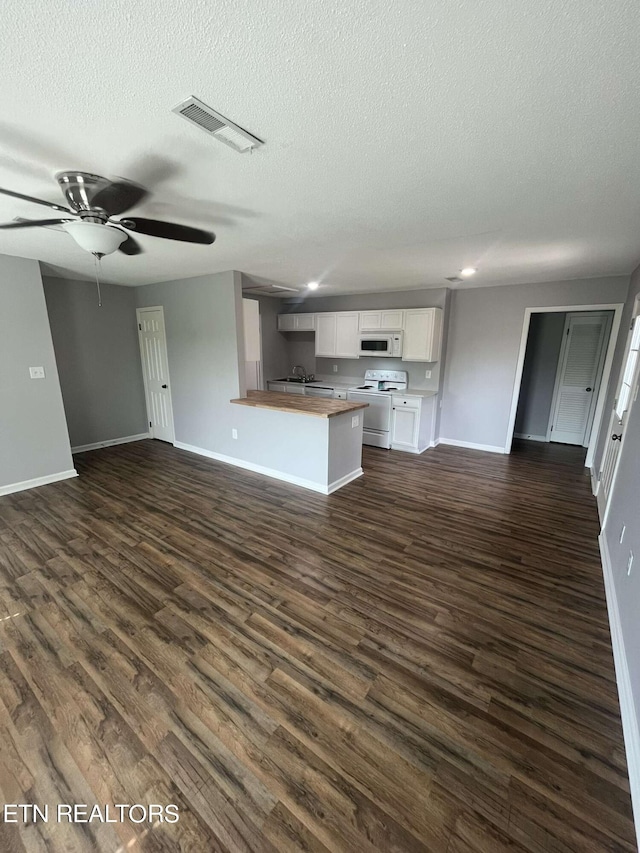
x=217 y=125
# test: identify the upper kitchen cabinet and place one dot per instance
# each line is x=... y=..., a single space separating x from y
x=337 y=335
x=296 y=322
x=422 y=334
x=387 y=321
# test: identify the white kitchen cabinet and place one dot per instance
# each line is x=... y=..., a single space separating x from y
x=405 y=423
x=276 y=386
x=294 y=388
x=337 y=335
x=296 y=322
x=347 y=336
x=422 y=334
x=339 y=395
x=326 y=327
x=372 y=321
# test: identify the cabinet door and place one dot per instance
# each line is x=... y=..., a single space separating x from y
x=347 y=335
x=405 y=427
x=370 y=321
x=325 y=334
x=286 y=322
x=305 y=322
x=422 y=334
x=391 y=320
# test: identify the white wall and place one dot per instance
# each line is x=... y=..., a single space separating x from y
x=34 y=442
x=483 y=345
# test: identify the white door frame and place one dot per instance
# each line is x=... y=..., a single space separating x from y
x=617 y=308
x=139 y=311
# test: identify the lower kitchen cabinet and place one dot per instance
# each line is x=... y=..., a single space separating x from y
x=405 y=428
x=412 y=422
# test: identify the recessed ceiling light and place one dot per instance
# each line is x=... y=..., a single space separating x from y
x=313 y=285
x=468 y=271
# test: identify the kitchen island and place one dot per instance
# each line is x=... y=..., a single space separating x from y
x=310 y=441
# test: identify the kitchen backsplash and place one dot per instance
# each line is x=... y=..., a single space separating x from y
x=357 y=366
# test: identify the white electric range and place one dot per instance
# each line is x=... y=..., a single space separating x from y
x=376 y=390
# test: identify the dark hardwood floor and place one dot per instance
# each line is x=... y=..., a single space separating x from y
x=421 y=661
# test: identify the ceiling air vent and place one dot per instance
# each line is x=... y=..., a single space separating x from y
x=217 y=125
x=454 y=279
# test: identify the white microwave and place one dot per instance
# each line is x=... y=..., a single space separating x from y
x=383 y=345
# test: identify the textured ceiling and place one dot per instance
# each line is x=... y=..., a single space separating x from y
x=404 y=140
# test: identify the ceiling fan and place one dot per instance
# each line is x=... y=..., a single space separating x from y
x=93 y=201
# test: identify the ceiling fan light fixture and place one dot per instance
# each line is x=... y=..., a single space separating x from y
x=95 y=238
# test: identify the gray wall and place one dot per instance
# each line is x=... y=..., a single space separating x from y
x=624 y=510
x=539 y=374
x=34 y=441
x=98 y=359
x=301 y=345
x=483 y=346
x=205 y=349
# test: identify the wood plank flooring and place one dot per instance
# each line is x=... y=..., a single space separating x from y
x=420 y=662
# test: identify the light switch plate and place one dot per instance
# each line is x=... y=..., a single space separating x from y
x=427 y=374
x=355 y=421
x=36 y=372
x=234 y=433
x=335 y=368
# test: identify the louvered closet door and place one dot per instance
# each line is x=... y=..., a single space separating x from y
x=580 y=366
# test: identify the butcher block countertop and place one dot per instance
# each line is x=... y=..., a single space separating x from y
x=318 y=407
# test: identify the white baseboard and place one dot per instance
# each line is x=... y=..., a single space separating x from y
x=490 y=448
x=37 y=481
x=271 y=472
x=628 y=712
x=81 y=448
x=530 y=437
x=338 y=484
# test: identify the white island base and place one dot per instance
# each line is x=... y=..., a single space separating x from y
x=313 y=443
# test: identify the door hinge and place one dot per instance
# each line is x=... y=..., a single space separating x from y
x=551 y=430
x=150 y=424
x=567 y=331
x=140 y=326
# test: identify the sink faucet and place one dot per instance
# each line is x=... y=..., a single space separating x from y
x=296 y=372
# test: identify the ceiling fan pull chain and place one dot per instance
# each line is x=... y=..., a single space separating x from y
x=98 y=258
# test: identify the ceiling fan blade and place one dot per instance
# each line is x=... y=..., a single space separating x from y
x=168 y=230
x=35 y=200
x=118 y=197
x=32 y=223
x=130 y=247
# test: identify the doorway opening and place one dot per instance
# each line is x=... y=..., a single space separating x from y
x=562 y=375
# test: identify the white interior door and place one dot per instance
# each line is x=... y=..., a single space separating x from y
x=155 y=370
x=627 y=392
x=579 y=374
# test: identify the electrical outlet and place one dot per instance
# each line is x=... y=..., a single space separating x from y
x=624 y=527
x=630 y=562
x=427 y=374
x=335 y=368
x=36 y=372
x=355 y=421
x=234 y=433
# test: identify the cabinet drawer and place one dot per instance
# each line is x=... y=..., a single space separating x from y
x=339 y=395
x=403 y=402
